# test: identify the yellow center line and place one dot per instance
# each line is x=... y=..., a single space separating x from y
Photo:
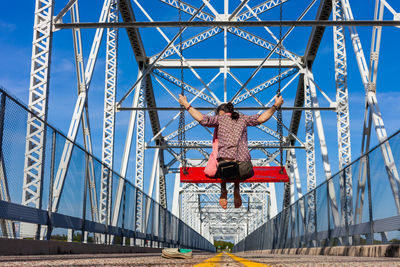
x=211 y=262
x=246 y=262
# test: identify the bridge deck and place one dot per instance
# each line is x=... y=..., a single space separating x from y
x=199 y=259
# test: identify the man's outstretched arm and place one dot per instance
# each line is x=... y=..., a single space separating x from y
x=197 y=115
x=266 y=115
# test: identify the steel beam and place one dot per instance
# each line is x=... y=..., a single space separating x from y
x=80 y=113
x=139 y=159
x=324 y=151
x=125 y=157
x=323 y=13
x=109 y=117
x=194 y=40
x=269 y=23
x=310 y=157
x=189 y=9
x=230 y=63
x=186 y=86
x=244 y=34
x=38 y=104
x=259 y=9
x=237 y=108
x=343 y=116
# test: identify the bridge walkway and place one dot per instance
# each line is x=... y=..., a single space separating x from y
x=201 y=259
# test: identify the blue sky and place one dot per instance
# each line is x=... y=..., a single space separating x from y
x=16 y=25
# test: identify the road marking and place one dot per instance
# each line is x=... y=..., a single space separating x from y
x=211 y=262
x=246 y=262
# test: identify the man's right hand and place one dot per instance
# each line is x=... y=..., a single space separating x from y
x=278 y=101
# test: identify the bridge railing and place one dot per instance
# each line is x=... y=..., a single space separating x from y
x=85 y=207
x=357 y=206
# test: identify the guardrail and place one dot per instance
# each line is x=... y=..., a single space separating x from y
x=356 y=206
x=75 y=217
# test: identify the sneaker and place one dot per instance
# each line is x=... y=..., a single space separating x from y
x=177 y=253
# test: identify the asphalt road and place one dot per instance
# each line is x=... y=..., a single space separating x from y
x=199 y=259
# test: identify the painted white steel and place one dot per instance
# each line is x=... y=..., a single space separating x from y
x=38 y=104
x=342 y=104
x=228 y=63
x=139 y=160
x=310 y=154
x=323 y=150
x=372 y=104
x=126 y=154
x=109 y=116
x=85 y=76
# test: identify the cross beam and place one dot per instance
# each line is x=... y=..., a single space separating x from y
x=230 y=63
x=268 y=23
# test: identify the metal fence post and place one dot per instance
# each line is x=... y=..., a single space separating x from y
x=370 y=237
x=107 y=236
x=136 y=198
x=83 y=232
x=7 y=226
x=329 y=241
x=346 y=207
x=50 y=205
x=315 y=218
x=123 y=214
x=305 y=219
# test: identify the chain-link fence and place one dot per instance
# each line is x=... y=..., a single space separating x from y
x=359 y=205
x=76 y=200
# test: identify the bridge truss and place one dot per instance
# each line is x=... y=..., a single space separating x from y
x=218 y=59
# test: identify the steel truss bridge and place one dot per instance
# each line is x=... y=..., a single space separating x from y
x=230 y=52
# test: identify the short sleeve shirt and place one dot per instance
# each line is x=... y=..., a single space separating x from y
x=232 y=134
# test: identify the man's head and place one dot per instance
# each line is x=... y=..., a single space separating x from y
x=227 y=108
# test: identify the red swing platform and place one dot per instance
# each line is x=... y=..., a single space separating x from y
x=270 y=174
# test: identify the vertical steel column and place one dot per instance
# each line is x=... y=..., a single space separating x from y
x=139 y=172
x=161 y=184
x=154 y=172
x=310 y=155
x=109 y=113
x=38 y=104
x=323 y=148
x=82 y=91
x=125 y=157
x=342 y=102
x=391 y=167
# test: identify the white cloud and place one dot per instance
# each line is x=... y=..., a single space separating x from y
x=7 y=27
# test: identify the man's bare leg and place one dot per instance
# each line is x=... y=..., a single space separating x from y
x=223 y=199
x=236 y=194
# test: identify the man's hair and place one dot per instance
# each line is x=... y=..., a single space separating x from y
x=228 y=108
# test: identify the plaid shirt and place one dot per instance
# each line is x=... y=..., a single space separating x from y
x=232 y=135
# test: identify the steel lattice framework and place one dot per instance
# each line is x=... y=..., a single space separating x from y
x=38 y=103
x=197 y=204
